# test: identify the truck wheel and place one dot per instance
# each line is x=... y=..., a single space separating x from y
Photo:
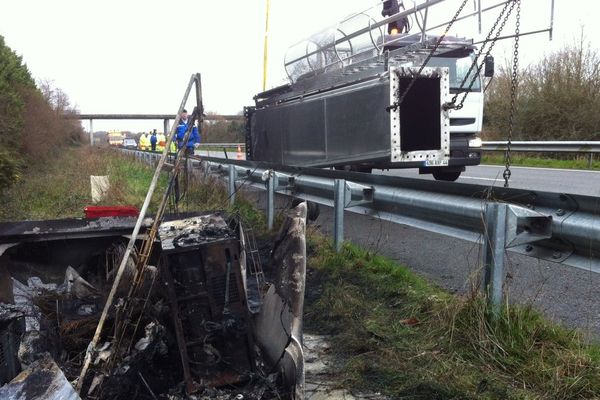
x=449 y=176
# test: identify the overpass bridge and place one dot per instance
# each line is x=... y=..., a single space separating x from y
x=166 y=118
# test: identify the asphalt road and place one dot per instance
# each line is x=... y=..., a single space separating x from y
x=545 y=179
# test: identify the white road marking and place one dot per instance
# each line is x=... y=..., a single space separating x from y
x=479 y=179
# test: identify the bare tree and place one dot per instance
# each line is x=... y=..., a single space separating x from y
x=56 y=97
x=558 y=97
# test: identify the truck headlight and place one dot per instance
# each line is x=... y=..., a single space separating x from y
x=476 y=142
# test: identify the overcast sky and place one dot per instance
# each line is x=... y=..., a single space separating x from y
x=131 y=56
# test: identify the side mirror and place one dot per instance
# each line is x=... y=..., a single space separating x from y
x=488 y=70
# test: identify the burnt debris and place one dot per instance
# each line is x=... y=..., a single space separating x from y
x=201 y=326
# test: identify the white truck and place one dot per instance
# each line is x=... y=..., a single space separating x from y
x=338 y=109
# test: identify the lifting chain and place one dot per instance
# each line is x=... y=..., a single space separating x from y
x=513 y=94
x=424 y=64
x=488 y=40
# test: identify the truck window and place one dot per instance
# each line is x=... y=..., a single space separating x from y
x=458 y=67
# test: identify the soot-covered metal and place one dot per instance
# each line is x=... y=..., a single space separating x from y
x=192 y=335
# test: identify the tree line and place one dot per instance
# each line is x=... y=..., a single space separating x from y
x=32 y=123
x=558 y=97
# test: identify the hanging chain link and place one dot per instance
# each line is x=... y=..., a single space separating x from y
x=488 y=40
x=513 y=94
x=424 y=64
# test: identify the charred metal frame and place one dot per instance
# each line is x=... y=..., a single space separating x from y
x=203 y=282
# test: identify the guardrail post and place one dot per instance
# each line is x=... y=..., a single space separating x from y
x=494 y=252
x=271 y=199
x=591 y=161
x=339 y=201
x=231 y=184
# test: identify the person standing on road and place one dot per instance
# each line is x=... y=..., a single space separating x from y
x=194 y=138
x=153 y=140
x=161 y=141
x=144 y=142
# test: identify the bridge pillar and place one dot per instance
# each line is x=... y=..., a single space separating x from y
x=166 y=128
x=91 y=132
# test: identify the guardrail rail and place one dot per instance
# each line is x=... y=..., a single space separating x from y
x=558 y=227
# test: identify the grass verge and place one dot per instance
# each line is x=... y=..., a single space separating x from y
x=577 y=162
x=394 y=333
x=62 y=189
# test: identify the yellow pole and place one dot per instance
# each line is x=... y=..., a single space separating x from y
x=265 y=50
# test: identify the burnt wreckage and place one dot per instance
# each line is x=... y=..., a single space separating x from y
x=174 y=306
x=210 y=322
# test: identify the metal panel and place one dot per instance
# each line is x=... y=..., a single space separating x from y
x=351 y=124
x=358 y=124
x=304 y=132
x=345 y=125
x=267 y=136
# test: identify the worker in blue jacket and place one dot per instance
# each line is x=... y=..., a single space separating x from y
x=153 y=140
x=194 y=138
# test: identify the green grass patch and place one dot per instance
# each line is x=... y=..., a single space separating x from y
x=62 y=189
x=574 y=162
x=397 y=334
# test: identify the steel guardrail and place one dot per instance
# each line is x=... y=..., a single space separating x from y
x=223 y=145
x=452 y=209
x=544 y=146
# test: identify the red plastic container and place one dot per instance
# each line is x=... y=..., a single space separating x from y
x=110 y=211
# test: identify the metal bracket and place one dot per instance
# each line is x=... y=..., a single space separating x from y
x=524 y=225
x=356 y=194
x=242 y=174
x=284 y=181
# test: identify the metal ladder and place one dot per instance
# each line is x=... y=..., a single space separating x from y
x=253 y=256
